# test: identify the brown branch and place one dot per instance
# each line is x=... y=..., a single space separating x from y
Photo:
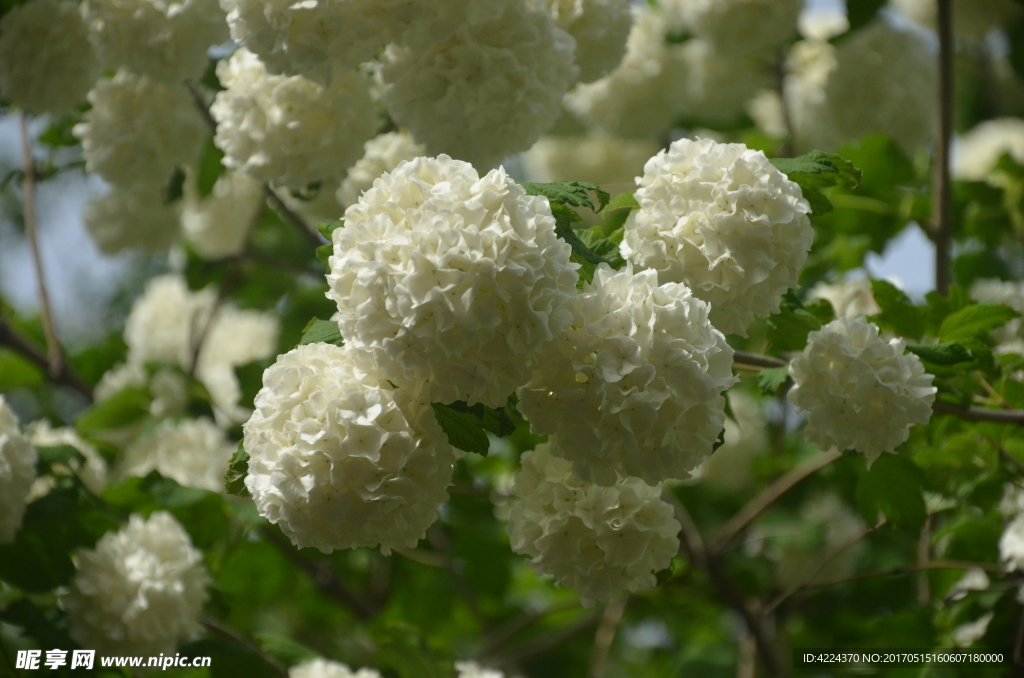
x=757 y=360
x=234 y=636
x=942 y=200
x=289 y=215
x=605 y=636
x=14 y=340
x=323 y=576
x=980 y=414
x=769 y=496
x=54 y=352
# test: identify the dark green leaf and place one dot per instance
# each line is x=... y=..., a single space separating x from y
x=43 y=627
x=816 y=171
x=975 y=321
x=771 y=379
x=898 y=313
x=59 y=134
x=124 y=408
x=892 y=487
x=399 y=648
x=210 y=169
x=175 y=187
x=569 y=193
x=563 y=230
x=17 y=372
x=327 y=228
x=860 y=12
x=200 y=512
x=788 y=329
x=238 y=469
x=497 y=422
x=59 y=454
x=323 y=255
x=321 y=331
x=464 y=430
x=942 y=354
x=720 y=441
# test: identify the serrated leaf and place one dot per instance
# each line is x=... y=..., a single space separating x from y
x=975 y=321
x=898 y=313
x=464 y=431
x=564 y=231
x=327 y=228
x=816 y=171
x=771 y=379
x=209 y=169
x=893 y=487
x=569 y=193
x=238 y=469
x=321 y=331
x=949 y=353
x=123 y=408
x=497 y=422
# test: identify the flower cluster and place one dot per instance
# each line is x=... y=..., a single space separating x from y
x=382 y=154
x=602 y=541
x=288 y=129
x=325 y=668
x=339 y=458
x=634 y=387
x=17 y=473
x=737 y=26
x=600 y=28
x=47 y=64
x=977 y=152
x=450 y=279
x=91 y=469
x=219 y=223
x=132 y=216
x=194 y=453
x=860 y=391
x=139 y=591
x=723 y=220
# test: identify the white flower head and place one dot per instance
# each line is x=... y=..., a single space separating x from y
x=164 y=320
x=192 y=452
x=91 y=469
x=383 y=153
x=132 y=216
x=340 y=459
x=634 y=387
x=489 y=91
x=602 y=541
x=737 y=26
x=471 y=669
x=718 y=86
x=723 y=220
x=421 y=24
x=451 y=279
x=860 y=391
x=46 y=62
x=600 y=28
x=167 y=387
x=17 y=473
x=138 y=130
x=139 y=591
x=218 y=224
x=318 y=39
x=165 y=40
x=599 y=158
x=977 y=152
x=849 y=298
x=325 y=668
x=646 y=93
x=288 y=129
x=1011 y=545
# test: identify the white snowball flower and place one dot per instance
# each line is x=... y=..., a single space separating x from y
x=164 y=320
x=420 y=24
x=92 y=470
x=723 y=220
x=192 y=452
x=1011 y=544
x=737 y=26
x=600 y=28
x=165 y=40
x=1009 y=337
x=383 y=153
x=971 y=18
x=599 y=158
x=849 y=298
x=860 y=392
x=839 y=93
x=288 y=129
x=138 y=130
x=471 y=669
x=646 y=93
x=218 y=224
x=718 y=86
x=140 y=591
x=976 y=153
x=17 y=473
x=168 y=388
x=635 y=386
x=318 y=39
x=339 y=458
x=488 y=91
x=46 y=62
x=325 y=668
x=451 y=279
x=602 y=541
x=132 y=216
x=768 y=112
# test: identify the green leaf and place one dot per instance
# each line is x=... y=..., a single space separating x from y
x=58 y=454
x=327 y=228
x=569 y=193
x=771 y=379
x=210 y=168
x=59 y=134
x=238 y=469
x=626 y=201
x=497 y=422
x=892 y=487
x=17 y=372
x=949 y=353
x=124 y=408
x=174 y=189
x=201 y=512
x=975 y=321
x=400 y=648
x=43 y=627
x=564 y=230
x=816 y=171
x=323 y=255
x=321 y=331
x=464 y=430
x=861 y=12
x=898 y=313
x=788 y=329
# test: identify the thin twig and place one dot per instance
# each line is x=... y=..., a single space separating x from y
x=605 y=636
x=323 y=576
x=289 y=215
x=234 y=636
x=942 y=206
x=757 y=360
x=980 y=414
x=769 y=496
x=14 y=340
x=54 y=353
